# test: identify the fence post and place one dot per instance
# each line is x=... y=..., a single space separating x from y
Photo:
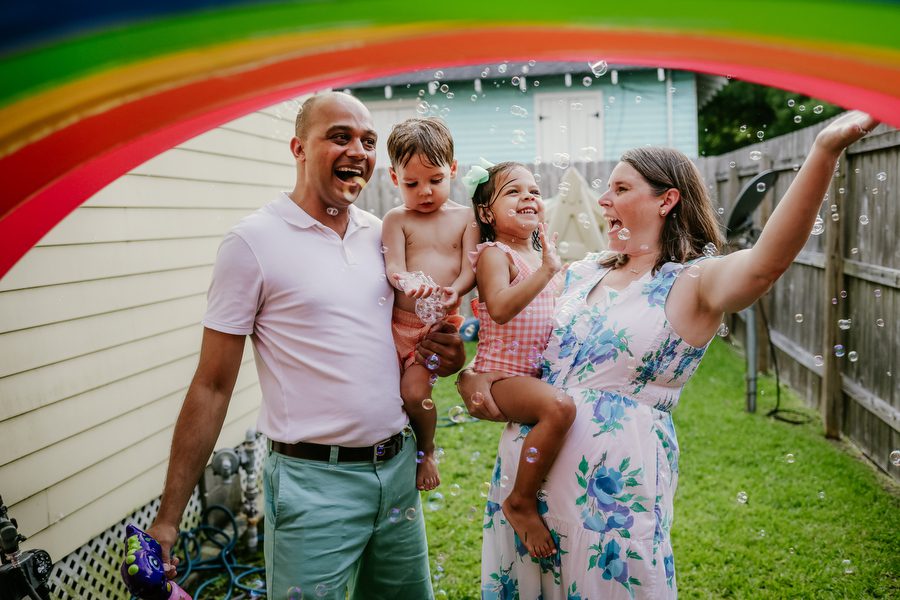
x=831 y=395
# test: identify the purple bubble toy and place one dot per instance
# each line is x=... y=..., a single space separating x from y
x=142 y=569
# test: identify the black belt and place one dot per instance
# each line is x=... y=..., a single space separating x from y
x=378 y=452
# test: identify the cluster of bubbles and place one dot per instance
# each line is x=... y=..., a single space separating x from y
x=430 y=310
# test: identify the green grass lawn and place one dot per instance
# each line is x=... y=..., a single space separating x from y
x=785 y=542
x=801 y=521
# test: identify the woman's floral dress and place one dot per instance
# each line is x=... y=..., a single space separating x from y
x=607 y=499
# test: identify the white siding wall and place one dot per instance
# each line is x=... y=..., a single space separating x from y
x=100 y=331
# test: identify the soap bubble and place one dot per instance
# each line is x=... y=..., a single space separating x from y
x=847 y=566
x=755 y=155
x=760 y=187
x=599 y=68
x=435 y=501
x=798 y=317
x=742 y=497
x=818 y=226
x=457 y=414
x=723 y=330
x=587 y=81
x=895 y=458
x=295 y=592
x=624 y=233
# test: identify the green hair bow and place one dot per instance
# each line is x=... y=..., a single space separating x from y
x=476 y=176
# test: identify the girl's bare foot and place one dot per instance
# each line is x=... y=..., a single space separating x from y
x=427 y=477
x=523 y=516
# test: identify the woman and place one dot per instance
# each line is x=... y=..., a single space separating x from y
x=630 y=328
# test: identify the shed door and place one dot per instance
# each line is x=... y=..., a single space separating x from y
x=570 y=123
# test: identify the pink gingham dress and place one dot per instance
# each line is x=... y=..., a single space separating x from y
x=516 y=346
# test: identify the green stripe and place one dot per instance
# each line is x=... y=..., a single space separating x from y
x=870 y=24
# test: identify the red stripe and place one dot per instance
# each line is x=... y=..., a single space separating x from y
x=50 y=177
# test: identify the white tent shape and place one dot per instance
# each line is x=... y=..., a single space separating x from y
x=574 y=213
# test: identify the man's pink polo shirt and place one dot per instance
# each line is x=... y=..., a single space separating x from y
x=318 y=310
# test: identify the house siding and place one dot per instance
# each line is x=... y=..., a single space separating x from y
x=100 y=331
x=484 y=127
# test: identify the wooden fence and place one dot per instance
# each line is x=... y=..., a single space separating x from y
x=850 y=272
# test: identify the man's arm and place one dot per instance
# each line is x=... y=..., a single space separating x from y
x=196 y=430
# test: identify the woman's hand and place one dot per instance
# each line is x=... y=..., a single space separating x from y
x=442 y=351
x=475 y=390
x=845 y=130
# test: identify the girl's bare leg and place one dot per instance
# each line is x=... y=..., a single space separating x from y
x=531 y=401
x=415 y=388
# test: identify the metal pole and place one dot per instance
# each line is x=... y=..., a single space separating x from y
x=749 y=314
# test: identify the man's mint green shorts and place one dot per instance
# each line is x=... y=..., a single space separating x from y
x=334 y=526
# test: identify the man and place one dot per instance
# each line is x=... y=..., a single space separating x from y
x=304 y=277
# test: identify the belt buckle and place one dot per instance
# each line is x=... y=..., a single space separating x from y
x=379 y=449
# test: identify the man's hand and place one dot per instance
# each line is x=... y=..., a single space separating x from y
x=442 y=350
x=475 y=390
x=166 y=535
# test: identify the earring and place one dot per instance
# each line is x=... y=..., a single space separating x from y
x=662 y=212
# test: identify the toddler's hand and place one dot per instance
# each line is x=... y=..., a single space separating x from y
x=450 y=298
x=550 y=260
x=416 y=285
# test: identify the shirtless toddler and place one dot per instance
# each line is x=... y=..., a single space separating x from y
x=430 y=234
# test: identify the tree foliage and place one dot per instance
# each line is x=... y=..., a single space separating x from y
x=744 y=113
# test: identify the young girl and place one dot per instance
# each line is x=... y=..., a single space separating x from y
x=515 y=269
